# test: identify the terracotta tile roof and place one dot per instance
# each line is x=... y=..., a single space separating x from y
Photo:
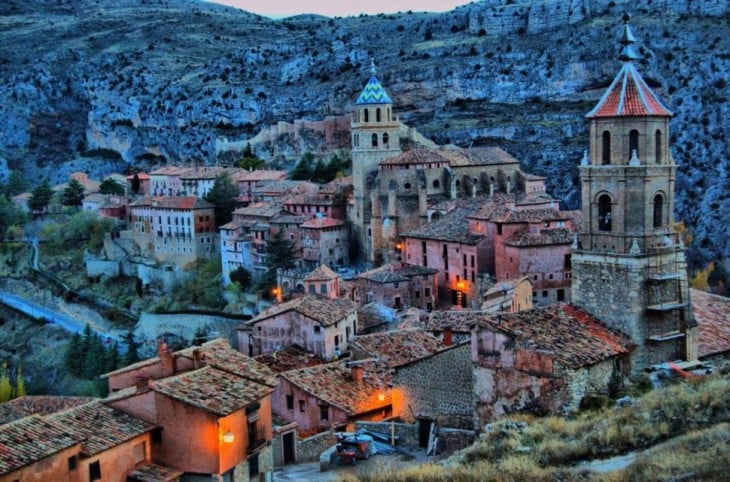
x=337 y=185
x=219 y=354
x=30 y=439
x=395 y=348
x=215 y=391
x=506 y=285
x=374 y=314
x=170 y=171
x=261 y=210
x=37 y=405
x=282 y=187
x=396 y=271
x=260 y=175
x=322 y=223
x=452 y=157
x=576 y=338
x=207 y=172
x=100 y=427
x=545 y=237
x=451 y=228
x=458 y=321
x=321 y=273
x=712 y=313
x=154 y=473
x=324 y=310
x=289 y=358
x=173 y=202
x=308 y=199
x=290 y=219
x=628 y=95
x=333 y=383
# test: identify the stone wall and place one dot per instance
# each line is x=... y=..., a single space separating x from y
x=309 y=449
x=451 y=440
x=437 y=387
x=153 y=325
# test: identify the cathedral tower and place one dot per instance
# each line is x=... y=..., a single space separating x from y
x=628 y=265
x=375 y=137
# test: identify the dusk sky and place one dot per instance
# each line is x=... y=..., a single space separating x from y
x=340 y=8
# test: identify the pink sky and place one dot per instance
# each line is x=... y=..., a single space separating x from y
x=340 y=8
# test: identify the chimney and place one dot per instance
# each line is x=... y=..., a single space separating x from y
x=447 y=336
x=356 y=372
x=197 y=358
x=142 y=383
x=167 y=361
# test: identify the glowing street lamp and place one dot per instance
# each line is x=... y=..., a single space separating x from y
x=229 y=437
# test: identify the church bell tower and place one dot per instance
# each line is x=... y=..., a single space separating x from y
x=628 y=263
x=375 y=136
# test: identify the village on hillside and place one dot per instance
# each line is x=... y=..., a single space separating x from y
x=429 y=293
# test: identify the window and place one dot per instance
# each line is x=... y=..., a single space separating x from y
x=323 y=289
x=253 y=466
x=375 y=140
x=366 y=113
x=324 y=413
x=290 y=402
x=416 y=294
x=427 y=292
x=633 y=143
x=140 y=452
x=604 y=213
x=396 y=284
x=561 y=295
x=499 y=229
x=317 y=328
x=436 y=183
x=301 y=406
x=567 y=262
x=544 y=294
x=337 y=341
x=550 y=276
x=658 y=211
x=396 y=302
x=385 y=139
x=72 y=463
x=606 y=148
x=658 y=146
x=377 y=114
x=94 y=471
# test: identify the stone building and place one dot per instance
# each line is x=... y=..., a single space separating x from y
x=398 y=285
x=323 y=241
x=629 y=265
x=320 y=325
x=543 y=360
x=508 y=296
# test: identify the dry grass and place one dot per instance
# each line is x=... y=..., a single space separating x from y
x=692 y=416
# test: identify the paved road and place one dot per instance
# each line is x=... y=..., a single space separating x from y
x=37 y=311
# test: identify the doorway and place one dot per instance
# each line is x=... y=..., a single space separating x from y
x=288 y=441
x=424 y=431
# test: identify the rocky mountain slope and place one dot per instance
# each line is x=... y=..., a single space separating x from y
x=101 y=85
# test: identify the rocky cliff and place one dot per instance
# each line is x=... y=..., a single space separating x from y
x=101 y=86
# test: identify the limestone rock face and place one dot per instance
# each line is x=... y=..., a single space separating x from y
x=142 y=82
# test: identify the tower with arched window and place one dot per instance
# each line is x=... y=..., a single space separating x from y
x=375 y=137
x=628 y=264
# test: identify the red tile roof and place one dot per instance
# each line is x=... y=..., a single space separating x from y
x=30 y=439
x=545 y=237
x=458 y=321
x=154 y=473
x=712 y=313
x=575 y=337
x=324 y=310
x=450 y=228
x=395 y=348
x=321 y=273
x=215 y=391
x=396 y=271
x=100 y=427
x=173 y=202
x=452 y=157
x=628 y=95
x=289 y=358
x=260 y=210
x=322 y=223
x=333 y=383
x=37 y=405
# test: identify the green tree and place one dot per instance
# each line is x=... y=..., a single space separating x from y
x=280 y=253
x=204 y=287
x=110 y=186
x=719 y=279
x=241 y=276
x=10 y=217
x=223 y=196
x=111 y=357
x=131 y=356
x=40 y=197
x=73 y=193
x=17 y=184
x=303 y=170
x=136 y=183
x=74 y=357
x=6 y=388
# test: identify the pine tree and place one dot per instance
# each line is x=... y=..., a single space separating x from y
x=110 y=186
x=136 y=184
x=73 y=194
x=303 y=170
x=17 y=184
x=19 y=384
x=74 y=356
x=40 y=197
x=223 y=196
x=131 y=356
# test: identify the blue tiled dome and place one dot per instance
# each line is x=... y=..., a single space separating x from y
x=374 y=93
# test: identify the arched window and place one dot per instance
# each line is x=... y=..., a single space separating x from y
x=377 y=114
x=385 y=139
x=365 y=115
x=658 y=146
x=606 y=148
x=387 y=114
x=658 y=211
x=375 y=140
x=633 y=143
x=436 y=183
x=604 y=213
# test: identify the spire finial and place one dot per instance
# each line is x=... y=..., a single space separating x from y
x=372 y=67
x=628 y=53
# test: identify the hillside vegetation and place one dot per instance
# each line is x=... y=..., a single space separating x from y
x=101 y=86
